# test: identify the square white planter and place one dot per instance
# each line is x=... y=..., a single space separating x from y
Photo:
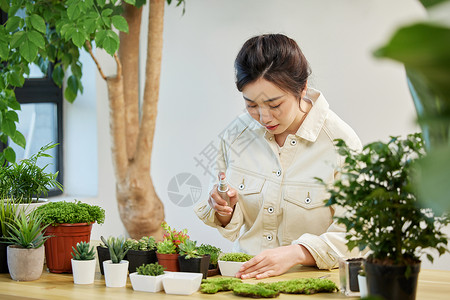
x=229 y=268
x=182 y=283
x=143 y=283
x=83 y=271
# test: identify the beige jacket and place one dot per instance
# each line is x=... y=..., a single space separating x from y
x=280 y=202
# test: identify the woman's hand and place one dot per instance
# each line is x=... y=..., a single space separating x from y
x=273 y=262
x=220 y=206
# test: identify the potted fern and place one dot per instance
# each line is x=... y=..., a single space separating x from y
x=148 y=278
x=26 y=253
x=191 y=260
x=230 y=263
x=140 y=252
x=377 y=192
x=116 y=269
x=83 y=263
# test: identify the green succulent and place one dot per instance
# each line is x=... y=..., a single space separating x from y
x=150 y=269
x=27 y=231
x=188 y=249
x=145 y=243
x=212 y=251
x=166 y=247
x=116 y=248
x=237 y=256
x=83 y=251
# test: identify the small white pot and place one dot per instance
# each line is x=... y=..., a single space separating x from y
x=115 y=274
x=229 y=268
x=83 y=271
x=362 y=282
x=145 y=283
x=182 y=283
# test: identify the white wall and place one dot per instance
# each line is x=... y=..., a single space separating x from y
x=198 y=97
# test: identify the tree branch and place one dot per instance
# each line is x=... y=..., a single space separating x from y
x=88 y=45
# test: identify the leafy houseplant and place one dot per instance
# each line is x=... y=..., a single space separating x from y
x=192 y=261
x=140 y=252
x=147 y=278
x=24 y=180
x=71 y=223
x=167 y=250
x=230 y=263
x=377 y=191
x=8 y=213
x=116 y=268
x=26 y=254
x=83 y=263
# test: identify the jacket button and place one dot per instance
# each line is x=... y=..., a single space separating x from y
x=278 y=173
x=269 y=237
x=308 y=200
x=270 y=210
x=293 y=142
x=241 y=186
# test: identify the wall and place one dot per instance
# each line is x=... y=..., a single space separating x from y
x=198 y=97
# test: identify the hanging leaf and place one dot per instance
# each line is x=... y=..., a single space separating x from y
x=38 y=23
x=19 y=139
x=120 y=23
x=10 y=155
x=28 y=50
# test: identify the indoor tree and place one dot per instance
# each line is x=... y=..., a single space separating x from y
x=55 y=31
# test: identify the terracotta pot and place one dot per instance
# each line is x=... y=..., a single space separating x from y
x=59 y=246
x=25 y=264
x=169 y=261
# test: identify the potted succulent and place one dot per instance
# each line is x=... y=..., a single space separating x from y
x=116 y=269
x=25 y=182
x=382 y=213
x=147 y=278
x=71 y=223
x=167 y=250
x=8 y=214
x=191 y=260
x=140 y=252
x=230 y=263
x=83 y=263
x=26 y=253
x=213 y=253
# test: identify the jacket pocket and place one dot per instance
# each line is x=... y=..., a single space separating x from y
x=304 y=211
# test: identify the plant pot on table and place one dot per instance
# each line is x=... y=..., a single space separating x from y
x=137 y=258
x=25 y=264
x=103 y=255
x=348 y=275
x=194 y=264
x=169 y=261
x=115 y=274
x=83 y=271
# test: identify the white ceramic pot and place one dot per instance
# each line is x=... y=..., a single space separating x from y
x=25 y=264
x=362 y=282
x=145 y=283
x=229 y=268
x=115 y=274
x=182 y=283
x=83 y=271
x=29 y=207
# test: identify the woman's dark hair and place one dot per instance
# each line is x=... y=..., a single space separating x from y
x=277 y=59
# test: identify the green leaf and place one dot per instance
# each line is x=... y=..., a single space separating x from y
x=429 y=3
x=10 y=155
x=110 y=45
x=13 y=10
x=140 y=3
x=107 y=12
x=13 y=23
x=4 y=5
x=9 y=127
x=17 y=39
x=36 y=38
x=19 y=139
x=78 y=39
x=15 y=79
x=70 y=95
x=28 y=50
x=12 y=116
x=131 y=2
x=76 y=70
x=101 y=3
x=58 y=75
x=100 y=37
x=4 y=51
x=73 y=11
x=38 y=23
x=14 y=104
x=72 y=84
x=120 y=23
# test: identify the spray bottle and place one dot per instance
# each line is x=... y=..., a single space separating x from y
x=222 y=188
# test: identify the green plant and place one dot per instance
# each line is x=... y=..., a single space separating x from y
x=237 y=256
x=254 y=291
x=145 y=243
x=28 y=230
x=83 y=251
x=377 y=191
x=214 y=285
x=150 y=270
x=177 y=237
x=166 y=247
x=71 y=212
x=189 y=249
x=24 y=180
x=116 y=248
x=8 y=215
x=212 y=251
x=306 y=286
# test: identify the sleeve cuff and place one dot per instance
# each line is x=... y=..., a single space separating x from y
x=324 y=255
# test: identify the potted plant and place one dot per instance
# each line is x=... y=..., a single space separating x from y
x=71 y=223
x=348 y=275
x=8 y=213
x=147 y=278
x=140 y=252
x=83 y=263
x=192 y=261
x=26 y=253
x=167 y=250
x=116 y=269
x=382 y=213
x=25 y=182
x=214 y=253
x=230 y=263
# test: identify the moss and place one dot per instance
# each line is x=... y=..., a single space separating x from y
x=214 y=285
x=254 y=291
x=302 y=286
x=238 y=256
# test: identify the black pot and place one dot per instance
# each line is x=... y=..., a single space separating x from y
x=390 y=282
x=137 y=258
x=195 y=265
x=103 y=254
x=354 y=265
x=3 y=260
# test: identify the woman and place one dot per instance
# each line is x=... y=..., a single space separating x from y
x=270 y=156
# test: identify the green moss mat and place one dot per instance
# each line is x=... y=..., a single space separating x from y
x=254 y=291
x=302 y=286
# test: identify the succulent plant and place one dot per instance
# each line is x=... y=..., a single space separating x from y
x=189 y=249
x=83 y=251
x=116 y=248
x=166 y=247
x=237 y=256
x=212 y=251
x=150 y=269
